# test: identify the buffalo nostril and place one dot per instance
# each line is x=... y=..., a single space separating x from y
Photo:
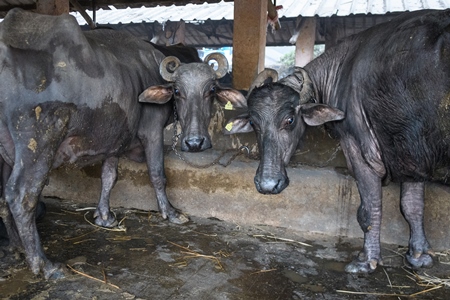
x=257 y=185
x=276 y=188
x=270 y=185
x=194 y=144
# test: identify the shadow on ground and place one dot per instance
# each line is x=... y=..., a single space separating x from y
x=205 y=259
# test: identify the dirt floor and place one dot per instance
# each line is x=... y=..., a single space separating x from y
x=205 y=259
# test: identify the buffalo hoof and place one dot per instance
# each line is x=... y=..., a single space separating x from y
x=107 y=220
x=366 y=267
x=54 y=271
x=420 y=260
x=178 y=218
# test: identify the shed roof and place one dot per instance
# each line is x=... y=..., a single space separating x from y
x=328 y=8
x=291 y=9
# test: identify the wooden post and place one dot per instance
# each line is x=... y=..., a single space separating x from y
x=180 y=33
x=304 y=46
x=249 y=41
x=52 y=7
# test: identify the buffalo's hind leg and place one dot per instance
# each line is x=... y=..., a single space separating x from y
x=412 y=205
x=9 y=235
x=103 y=216
x=36 y=142
x=22 y=195
x=6 y=220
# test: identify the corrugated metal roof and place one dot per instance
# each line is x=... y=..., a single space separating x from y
x=291 y=9
x=328 y=8
x=6 y=5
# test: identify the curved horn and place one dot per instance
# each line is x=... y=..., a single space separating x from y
x=264 y=76
x=300 y=82
x=168 y=66
x=222 y=62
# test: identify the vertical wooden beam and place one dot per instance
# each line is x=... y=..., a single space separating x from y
x=180 y=33
x=52 y=7
x=306 y=39
x=249 y=41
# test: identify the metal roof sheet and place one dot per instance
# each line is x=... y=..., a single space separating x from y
x=291 y=9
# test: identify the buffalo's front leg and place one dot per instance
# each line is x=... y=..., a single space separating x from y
x=158 y=179
x=103 y=216
x=369 y=211
x=412 y=205
x=154 y=152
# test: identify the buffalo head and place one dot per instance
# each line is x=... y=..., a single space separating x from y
x=278 y=112
x=193 y=86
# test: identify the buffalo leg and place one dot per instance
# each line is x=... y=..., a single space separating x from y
x=22 y=196
x=103 y=216
x=369 y=211
x=6 y=219
x=12 y=236
x=412 y=205
x=5 y=172
x=154 y=152
x=5 y=213
x=158 y=179
x=27 y=180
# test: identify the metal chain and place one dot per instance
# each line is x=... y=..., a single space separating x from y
x=176 y=136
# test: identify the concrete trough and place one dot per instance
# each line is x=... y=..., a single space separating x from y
x=319 y=200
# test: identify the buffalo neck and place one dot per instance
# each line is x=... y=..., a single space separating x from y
x=325 y=71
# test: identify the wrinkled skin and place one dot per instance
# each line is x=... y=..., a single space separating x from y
x=392 y=120
x=71 y=97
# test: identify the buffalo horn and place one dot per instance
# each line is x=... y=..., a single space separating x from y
x=168 y=67
x=222 y=62
x=300 y=82
x=265 y=76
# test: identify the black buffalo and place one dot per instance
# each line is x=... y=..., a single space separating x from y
x=385 y=93
x=183 y=53
x=71 y=97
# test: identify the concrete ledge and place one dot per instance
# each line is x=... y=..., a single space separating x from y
x=317 y=200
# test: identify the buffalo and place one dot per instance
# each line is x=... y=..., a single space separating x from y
x=74 y=97
x=385 y=94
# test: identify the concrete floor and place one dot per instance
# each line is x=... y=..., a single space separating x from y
x=206 y=259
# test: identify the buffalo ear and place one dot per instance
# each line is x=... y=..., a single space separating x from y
x=239 y=124
x=315 y=114
x=231 y=98
x=158 y=94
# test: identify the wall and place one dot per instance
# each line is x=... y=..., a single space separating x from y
x=319 y=199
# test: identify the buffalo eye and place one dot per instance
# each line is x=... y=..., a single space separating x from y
x=289 y=121
x=213 y=90
x=176 y=92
